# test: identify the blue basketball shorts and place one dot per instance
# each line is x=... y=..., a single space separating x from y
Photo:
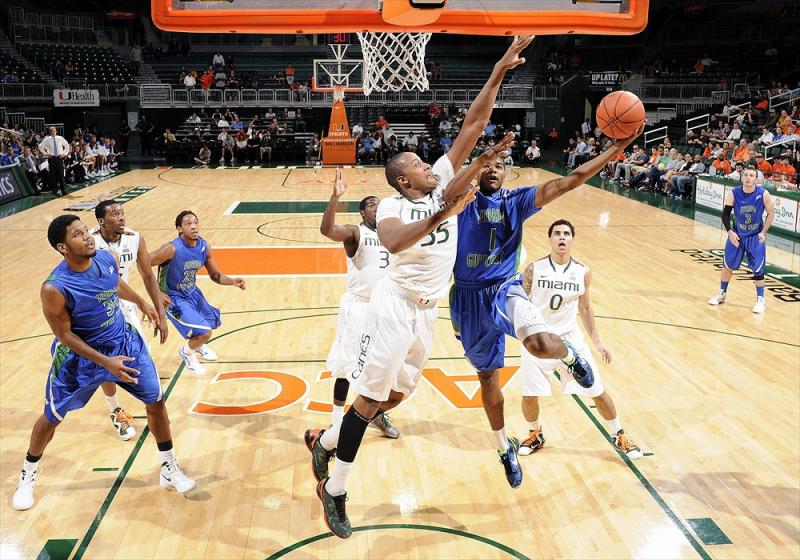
x=191 y=314
x=73 y=379
x=752 y=248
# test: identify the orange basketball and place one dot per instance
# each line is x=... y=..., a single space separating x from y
x=620 y=114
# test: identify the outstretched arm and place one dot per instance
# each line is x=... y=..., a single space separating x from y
x=551 y=190
x=348 y=234
x=460 y=183
x=151 y=285
x=478 y=113
x=216 y=274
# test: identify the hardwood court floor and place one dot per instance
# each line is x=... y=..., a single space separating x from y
x=712 y=393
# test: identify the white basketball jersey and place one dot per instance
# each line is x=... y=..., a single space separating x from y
x=423 y=271
x=555 y=292
x=368 y=265
x=126 y=249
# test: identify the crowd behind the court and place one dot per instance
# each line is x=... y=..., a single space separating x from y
x=720 y=149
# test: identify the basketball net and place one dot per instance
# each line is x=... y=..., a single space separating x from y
x=394 y=61
x=338 y=92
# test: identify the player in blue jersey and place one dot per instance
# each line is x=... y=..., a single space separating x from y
x=178 y=262
x=747 y=236
x=487 y=300
x=80 y=300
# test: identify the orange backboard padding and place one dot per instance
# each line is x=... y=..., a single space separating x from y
x=349 y=21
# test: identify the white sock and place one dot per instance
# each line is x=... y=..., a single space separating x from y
x=535 y=425
x=569 y=359
x=501 y=439
x=27 y=466
x=166 y=456
x=614 y=425
x=338 y=414
x=112 y=402
x=330 y=439
x=337 y=483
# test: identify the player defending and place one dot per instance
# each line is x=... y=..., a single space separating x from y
x=129 y=248
x=415 y=226
x=747 y=236
x=366 y=265
x=80 y=300
x=560 y=290
x=487 y=301
x=178 y=262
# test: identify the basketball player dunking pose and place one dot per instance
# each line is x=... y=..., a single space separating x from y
x=747 y=236
x=193 y=317
x=129 y=248
x=487 y=301
x=366 y=265
x=560 y=287
x=416 y=225
x=80 y=300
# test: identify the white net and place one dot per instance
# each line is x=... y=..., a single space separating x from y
x=394 y=61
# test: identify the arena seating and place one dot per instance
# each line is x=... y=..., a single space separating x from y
x=97 y=65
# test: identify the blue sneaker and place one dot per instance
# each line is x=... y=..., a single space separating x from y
x=580 y=368
x=511 y=464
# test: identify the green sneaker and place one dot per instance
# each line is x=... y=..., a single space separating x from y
x=384 y=424
x=320 y=457
x=333 y=508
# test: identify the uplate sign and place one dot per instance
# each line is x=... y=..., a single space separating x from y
x=76 y=98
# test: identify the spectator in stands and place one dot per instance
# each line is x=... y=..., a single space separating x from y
x=241 y=146
x=190 y=81
x=358 y=130
x=312 y=152
x=638 y=157
x=785 y=168
x=784 y=120
x=207 y=78
x=682 y=163
x=490 y=129
x=236 y=124
x=266 y=146
x=366 y=151
x=680 y=183
x=299 y=121
x=227 y=146
x=445 y=142
x=444 y=127
x=410 y=142
x=218 y=61
x=114 y=154
x=193 y=119
x=36 y=176
x=569 y=150
x=720 y=166
x=736 y=133
x=233 y=79
x=288 y=72
x=381 y=122
x=766 y=137
x=136 y=59
x=434 y=112
x=75 y=172
x=378 y=146
x=736 y=175
x=220 y=79
x=56 y=149
x=763 y=165
x=222 y=122
x=552 y=138
x=270 y=114
x=422 y=146
x=582 y=149
x=169 y=137
x=586 y=127
x=69 y=69
x=437 y=71
x=253 y=145
x=742 y=153
x=533 y=154
x=146 y=130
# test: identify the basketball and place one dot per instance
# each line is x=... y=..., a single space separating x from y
x=620 y=114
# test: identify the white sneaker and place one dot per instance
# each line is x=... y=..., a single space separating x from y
x=207 y=353
x=190 y=359
x=173 y=478
x=23 y=495
x=718 y=299
x=760 y=305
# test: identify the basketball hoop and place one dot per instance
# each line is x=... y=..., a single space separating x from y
x=394 y=61
x=338 y=92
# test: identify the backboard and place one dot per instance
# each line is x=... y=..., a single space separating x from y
x=472 y=17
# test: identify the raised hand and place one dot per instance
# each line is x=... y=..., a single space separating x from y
x=501 y=149
x=339 y=186
x=623 y=143
x=458 y=205
x=512 y=59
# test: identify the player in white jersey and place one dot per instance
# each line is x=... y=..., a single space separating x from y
x=417 y=226
x=130 y=248
x=366 y=265
x=559 y=288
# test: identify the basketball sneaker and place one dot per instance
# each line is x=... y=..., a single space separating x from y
x=122 y=422
x=580 y=368
x=173 y=478
x=718 y=299
x=511 y=463
x=760 y=305
x=384 y=424
x=622 y=443
x=533 y=443
x=320 y=457
x=207 y=353
x=23 y=495
x=334 y=509
x=190 y=359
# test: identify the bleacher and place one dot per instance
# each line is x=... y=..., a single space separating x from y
x=10 y=65
x=96 y=65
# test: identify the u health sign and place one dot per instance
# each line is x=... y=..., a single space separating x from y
x=76 y=98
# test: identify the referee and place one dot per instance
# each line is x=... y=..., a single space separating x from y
x=55 y=148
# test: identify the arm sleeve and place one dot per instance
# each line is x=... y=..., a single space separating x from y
x=726 y=217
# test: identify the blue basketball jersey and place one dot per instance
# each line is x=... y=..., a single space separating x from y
x=748 y=209
x=92 y=299
x=179 y=274
x=490 y=235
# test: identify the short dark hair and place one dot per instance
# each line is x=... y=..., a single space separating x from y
x=395 y=168
x=100 y=209
x=365 y=201
x=179 y=218
x=57 y=230
x=561 y=222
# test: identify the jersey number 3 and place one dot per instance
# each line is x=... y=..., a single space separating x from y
x=433 y=237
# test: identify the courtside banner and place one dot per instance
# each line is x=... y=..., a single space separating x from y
x=9 y=188
x=76 y=98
